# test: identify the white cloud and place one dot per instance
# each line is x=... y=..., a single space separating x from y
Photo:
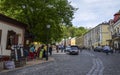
x=91 y=1
x=93 y=12
x=85 y=16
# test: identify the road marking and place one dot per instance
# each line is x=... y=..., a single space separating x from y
x=97 y=68
x=93 y=68
x=102 y=68
x=95 y=72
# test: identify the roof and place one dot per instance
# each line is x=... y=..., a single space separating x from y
x=118 y=13
x=104 y=23
x=12 y=21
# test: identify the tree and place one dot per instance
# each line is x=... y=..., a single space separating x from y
x=39 y=13
x=80 y=31
x=74 y=31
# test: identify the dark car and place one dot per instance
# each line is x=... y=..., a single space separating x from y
x=98 y=49
x=73 y=50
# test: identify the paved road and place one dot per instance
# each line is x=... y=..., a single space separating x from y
x=86 y=63
x=111 y=63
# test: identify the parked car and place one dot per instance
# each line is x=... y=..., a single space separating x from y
x=108 y=51
x=73 y=50
x=67 y=48
x=98 y=49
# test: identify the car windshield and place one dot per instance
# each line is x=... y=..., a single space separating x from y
x=74 y=48
x=99 y=47
x=67 y=48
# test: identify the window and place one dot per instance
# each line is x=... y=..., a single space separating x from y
x=12 y=39
x=117 y=30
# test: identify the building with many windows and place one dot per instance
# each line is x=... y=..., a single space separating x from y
x=115 y=31
x=99 y=35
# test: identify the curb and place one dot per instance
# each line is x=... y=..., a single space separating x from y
x=27 y=66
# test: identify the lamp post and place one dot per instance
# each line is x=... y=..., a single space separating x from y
x=48 y=27
x=65 y=42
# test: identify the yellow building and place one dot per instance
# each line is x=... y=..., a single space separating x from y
x=98 y=35
x=73 y=41
x=105 y=35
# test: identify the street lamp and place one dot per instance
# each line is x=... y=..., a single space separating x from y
x=48 y=27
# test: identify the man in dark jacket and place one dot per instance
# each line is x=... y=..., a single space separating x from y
x=50 y=50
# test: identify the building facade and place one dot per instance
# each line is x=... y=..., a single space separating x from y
x=80 y=41
x=115 y=31
x=11 y=33
x=97 y=36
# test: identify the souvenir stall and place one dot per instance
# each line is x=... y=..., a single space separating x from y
x=11 y=41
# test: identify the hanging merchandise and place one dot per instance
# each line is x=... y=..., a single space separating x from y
x=21 y=50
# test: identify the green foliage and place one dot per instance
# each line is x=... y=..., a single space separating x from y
x=39 y=13
x=80 y=31
x=73 y=31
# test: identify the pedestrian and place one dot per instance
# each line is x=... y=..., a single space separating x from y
x=50 y=50
x=31 y=52
x=57 y=48
x=45 y=52
x=106 y=49
x=62 y=48
x=41 y=52
x=38 y=51
x=26 y=52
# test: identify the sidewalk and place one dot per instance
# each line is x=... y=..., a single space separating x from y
x=30 y=63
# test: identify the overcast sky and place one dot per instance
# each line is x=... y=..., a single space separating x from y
x=90 y=13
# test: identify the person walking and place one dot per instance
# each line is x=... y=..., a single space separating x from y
x=57 y=48
x=26 y=52
x=31 y=52
x=45 y=52
x=38 y=51
x=41 y=52
x=50 y=50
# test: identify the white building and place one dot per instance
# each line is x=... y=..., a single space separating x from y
x=11 y=32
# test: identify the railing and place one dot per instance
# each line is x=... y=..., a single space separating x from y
x=115 y=35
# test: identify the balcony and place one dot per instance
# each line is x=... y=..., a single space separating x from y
x=116 y=35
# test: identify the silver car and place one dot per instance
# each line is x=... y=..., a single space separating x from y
x=73 y=50
x=67 y=48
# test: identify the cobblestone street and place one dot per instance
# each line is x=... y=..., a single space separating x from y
x=86 y=63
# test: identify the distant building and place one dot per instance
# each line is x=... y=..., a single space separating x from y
x=97 y=36
x=80 y=41
x=73 y=41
